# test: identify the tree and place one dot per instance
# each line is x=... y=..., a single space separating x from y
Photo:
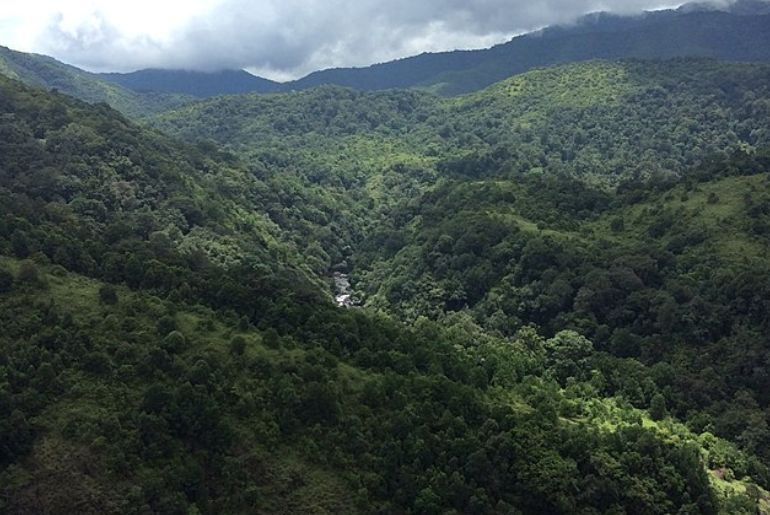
x=20 y=244
x=6 y=280
x=108 y=295
x=428 y=502
x=271 y=338
x=28 y=274
x=658 y=407
x=165 y=325
x=174 y=342
x=237 y=345
x=567 y=355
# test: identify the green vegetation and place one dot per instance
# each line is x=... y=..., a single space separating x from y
x=600 y=120
x=42 y=71
x=339 y=161
x=98 y=195
x=136 y=417
x=668 y=279
x=565 y=299
x=661 y=34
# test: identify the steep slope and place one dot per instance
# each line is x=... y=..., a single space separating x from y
x=566 y=198
x=345 y=158
x=48 y=73
x=672 y=275
x=740 y=34
x=318 y=151
x=107 y=181
x=163 y=351
x=139 y=403
x=197 y=84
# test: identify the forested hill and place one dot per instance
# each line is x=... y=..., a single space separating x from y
x=340 y=161
x=670 y=273
x=740 y=33
x=197 y=84
x=167 y=348
x=623 y=200
x=602 y=121
x=119 y=182
x=46 y=72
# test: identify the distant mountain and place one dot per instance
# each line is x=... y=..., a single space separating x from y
x=46 y=72
x=197 y=84
x=740 y=32
x=743 y=7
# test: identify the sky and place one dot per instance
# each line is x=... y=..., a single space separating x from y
x=278 y=39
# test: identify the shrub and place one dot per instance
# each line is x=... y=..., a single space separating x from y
x=108 y=295
x=6 y=280
x=237 y=345
x=174 y=342
x=28 y=274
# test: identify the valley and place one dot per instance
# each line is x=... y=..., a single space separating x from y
x=547 y=294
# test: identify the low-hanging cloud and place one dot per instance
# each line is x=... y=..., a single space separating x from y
x=288 y=38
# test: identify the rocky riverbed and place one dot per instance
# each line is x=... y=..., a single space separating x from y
x=343 y=294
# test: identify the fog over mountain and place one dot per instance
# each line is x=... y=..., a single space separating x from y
x=278 y=39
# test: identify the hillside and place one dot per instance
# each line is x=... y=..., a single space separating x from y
x=146 y=404
x=166 y=349
x=48 y=73
x=621 y=200
x=196 y=84
x=741 y=33
x=344 y=159
x=96 y=182
x=589 y=119
x=670 y=275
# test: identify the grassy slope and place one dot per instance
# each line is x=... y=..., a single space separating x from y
x=722 y=220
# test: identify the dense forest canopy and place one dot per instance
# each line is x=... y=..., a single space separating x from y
x=564 y=284
x=347 y=158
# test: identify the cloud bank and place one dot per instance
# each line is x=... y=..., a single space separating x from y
x=289 y=38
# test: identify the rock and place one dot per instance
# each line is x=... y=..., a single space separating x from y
x=343 y=294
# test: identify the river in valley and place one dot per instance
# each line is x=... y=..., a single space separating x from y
x=343 y=294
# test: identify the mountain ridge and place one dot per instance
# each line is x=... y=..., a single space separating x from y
x=739 y=32
x=43 y=71
x=682 y=32
x=194 y=83
x=657 y=34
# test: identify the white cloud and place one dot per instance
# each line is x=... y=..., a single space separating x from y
x=278 y=38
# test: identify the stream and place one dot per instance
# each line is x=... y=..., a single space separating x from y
x=343 y=294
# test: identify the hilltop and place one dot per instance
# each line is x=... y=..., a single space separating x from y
x=738 y=32
x=46 y=72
